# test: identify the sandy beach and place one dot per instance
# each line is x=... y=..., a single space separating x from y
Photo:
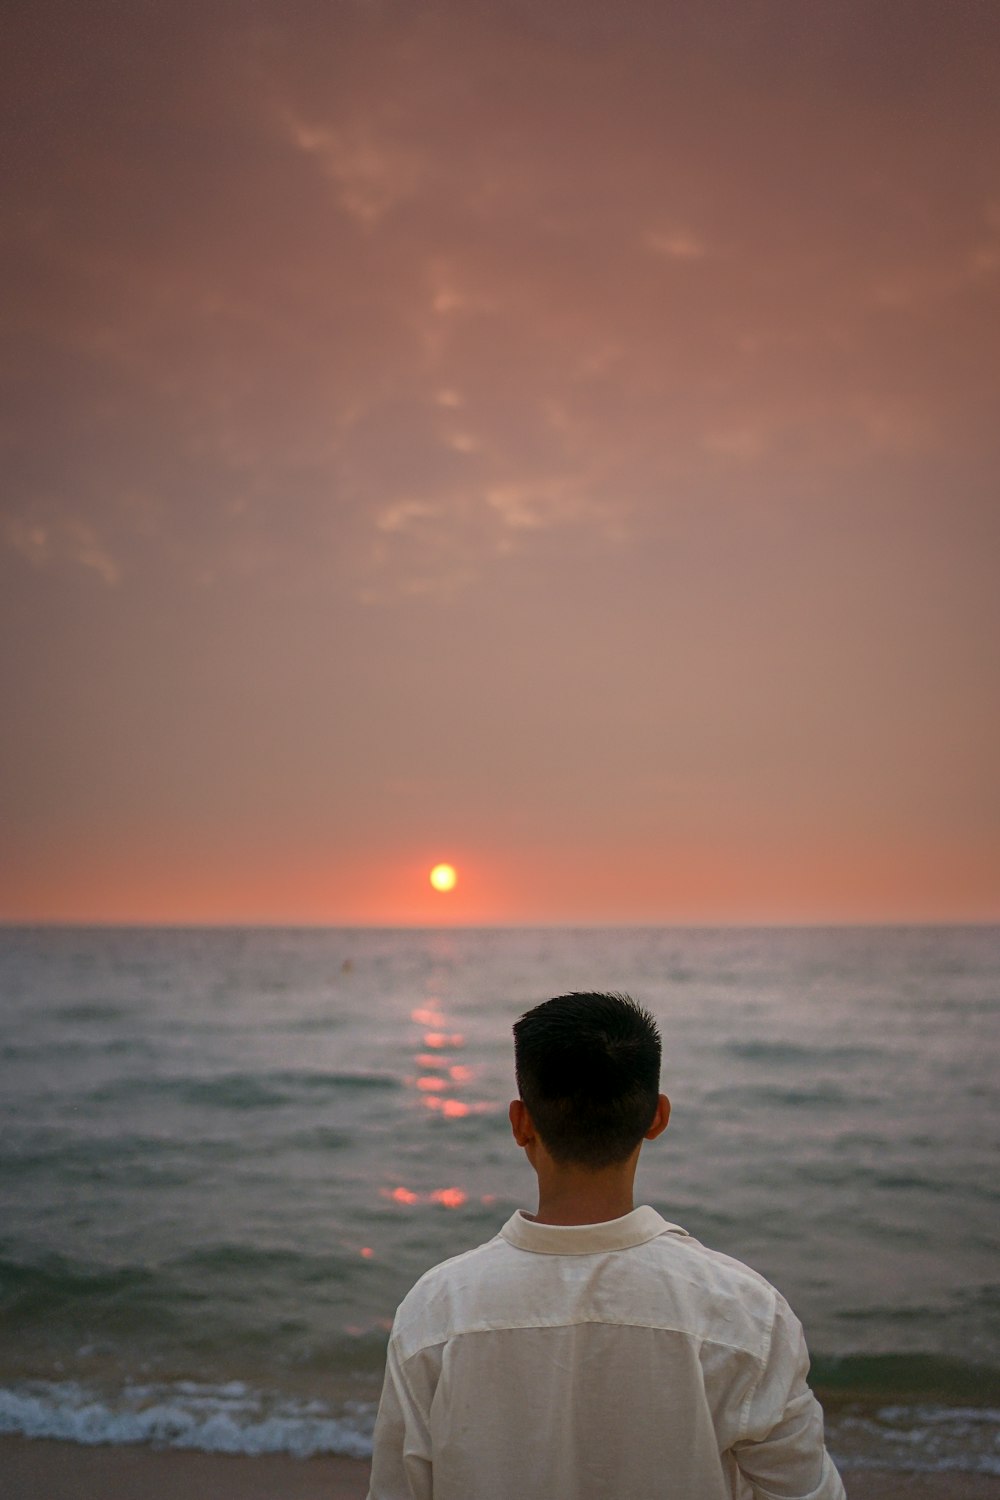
x=39 y=1470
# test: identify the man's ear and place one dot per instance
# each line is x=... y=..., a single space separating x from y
x=660 y=1120
x=521 y=1122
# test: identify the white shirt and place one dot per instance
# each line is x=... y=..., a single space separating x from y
x=614 y=1361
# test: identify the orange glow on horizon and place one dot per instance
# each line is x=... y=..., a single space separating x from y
x=839 y=878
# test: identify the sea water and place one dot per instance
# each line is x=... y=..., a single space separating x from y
x=226 y=1154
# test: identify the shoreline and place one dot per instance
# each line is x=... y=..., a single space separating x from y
x=33 y=1467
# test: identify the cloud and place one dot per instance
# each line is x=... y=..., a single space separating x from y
x=542 y=503
x=372 y=176
x=404 y=514
x=61 y=539
x=348 y=235
x=675 y=244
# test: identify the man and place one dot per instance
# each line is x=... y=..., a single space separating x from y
x=592 y=1351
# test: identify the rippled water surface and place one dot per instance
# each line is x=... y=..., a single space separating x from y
x=226 y=1154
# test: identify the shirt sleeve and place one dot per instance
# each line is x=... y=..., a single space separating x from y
x=401 y=1447
x=781 y=1452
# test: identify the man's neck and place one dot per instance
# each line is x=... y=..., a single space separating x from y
x=571 y=1195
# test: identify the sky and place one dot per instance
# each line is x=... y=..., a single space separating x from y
x=561 y=440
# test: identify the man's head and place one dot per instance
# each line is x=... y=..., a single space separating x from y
x=588 y=1071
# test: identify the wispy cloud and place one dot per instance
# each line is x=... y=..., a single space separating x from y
x=371 y=174
x=62 y=539
x=675 y=244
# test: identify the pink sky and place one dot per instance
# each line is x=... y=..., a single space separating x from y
x=561 y=440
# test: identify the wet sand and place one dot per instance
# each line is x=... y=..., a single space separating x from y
x=41 y=1470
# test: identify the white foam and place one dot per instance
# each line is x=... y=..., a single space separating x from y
x=234 y=1418
x=216 y=1419
x=924 y=1437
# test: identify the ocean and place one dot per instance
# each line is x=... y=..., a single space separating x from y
x=225 y=1154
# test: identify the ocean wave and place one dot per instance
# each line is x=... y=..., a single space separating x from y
x=306 y=1024
x=762 y=1050
x=58 y=1292
x=229 y=1259
x=243 y=1090
x=820 y=1095
x=235 y=1418
x=230 y=1418
x=57 y=1275
x=197 y=1294
x=88 y=1010
x=915 y=1375
x=924 y=1438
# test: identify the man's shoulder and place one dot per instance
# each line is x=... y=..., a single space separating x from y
x=681 y=1286
x=719 y=1274
x=466 y=1264
x=425 y=1313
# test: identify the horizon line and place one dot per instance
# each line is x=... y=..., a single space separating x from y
x=828 y=924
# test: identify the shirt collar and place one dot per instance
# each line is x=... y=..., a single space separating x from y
x=635 y=1228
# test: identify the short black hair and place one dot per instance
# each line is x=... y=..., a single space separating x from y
x=588 y=1069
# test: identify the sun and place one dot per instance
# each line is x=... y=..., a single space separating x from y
x=443 y=877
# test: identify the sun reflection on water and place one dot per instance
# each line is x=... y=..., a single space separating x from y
x=434 y=1087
